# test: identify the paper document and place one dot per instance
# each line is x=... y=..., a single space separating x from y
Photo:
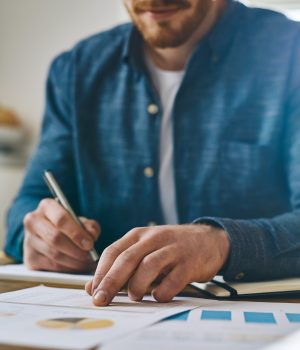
x=74 y=298
x=290 y=342
x=19 y=272
x=218 y=325
x=66 y=318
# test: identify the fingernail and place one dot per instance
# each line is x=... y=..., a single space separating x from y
x=100 y=296
x=86 y=244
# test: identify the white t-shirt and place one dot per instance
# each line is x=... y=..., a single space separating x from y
x=167 y=84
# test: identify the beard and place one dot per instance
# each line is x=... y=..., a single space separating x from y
x=169 y=33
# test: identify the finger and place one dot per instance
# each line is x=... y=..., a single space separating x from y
x=92 y=227
x=111 y=253
x=88 y=287
x=54 y=255
x=149 y=269
x=36 y=261
x=171 y=285
x=61 y=219
x=40 y=226
x=120 y=272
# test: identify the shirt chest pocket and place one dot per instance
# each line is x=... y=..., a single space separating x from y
x=250 y=177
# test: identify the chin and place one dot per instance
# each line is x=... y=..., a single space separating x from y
x=163 y=41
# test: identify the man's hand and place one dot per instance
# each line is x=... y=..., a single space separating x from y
x=176 y=255
x=55 y=242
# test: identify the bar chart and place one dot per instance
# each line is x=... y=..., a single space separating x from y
x=244 y=313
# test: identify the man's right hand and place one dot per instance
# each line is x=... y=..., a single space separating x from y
x=55 y=242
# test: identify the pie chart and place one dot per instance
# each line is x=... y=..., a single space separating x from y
x=76 y=323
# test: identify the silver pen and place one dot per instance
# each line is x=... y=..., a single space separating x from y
x=62 y=200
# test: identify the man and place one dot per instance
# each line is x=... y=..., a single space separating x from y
x=189 y=121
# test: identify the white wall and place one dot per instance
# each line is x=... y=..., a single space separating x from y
x=32 y=32
x=290 y=7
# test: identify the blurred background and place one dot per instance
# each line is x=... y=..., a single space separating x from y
x=32 y=32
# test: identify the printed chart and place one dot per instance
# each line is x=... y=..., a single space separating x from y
x=221 y=325
x=244 y=313
x=66 y=318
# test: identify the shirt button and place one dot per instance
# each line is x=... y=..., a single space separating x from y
x=153 y=109
x=149 y=172
x=239 y=276
x=151 y=223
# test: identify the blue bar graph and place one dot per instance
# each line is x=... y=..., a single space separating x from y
x=293 y=318
x=216 y=315
x=259 y=317
x=179 y=317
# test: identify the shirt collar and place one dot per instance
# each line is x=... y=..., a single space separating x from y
x=222 y=33
x=133 y=47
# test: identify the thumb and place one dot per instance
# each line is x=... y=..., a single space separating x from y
x=92 y=227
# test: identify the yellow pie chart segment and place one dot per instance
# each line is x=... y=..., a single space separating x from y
x=76 y=323
x=95 y=324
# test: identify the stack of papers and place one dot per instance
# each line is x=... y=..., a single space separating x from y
x=19 y=272
x=58 y=318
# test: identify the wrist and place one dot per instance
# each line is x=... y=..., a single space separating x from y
x=223 y=244
x=225 y=249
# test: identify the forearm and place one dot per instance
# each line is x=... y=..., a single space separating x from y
x=261 y=248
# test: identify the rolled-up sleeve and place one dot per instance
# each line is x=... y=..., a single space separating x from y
x=53 y=152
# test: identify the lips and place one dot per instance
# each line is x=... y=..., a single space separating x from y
x=160 y=14
x=160 y=6
x=160 y=9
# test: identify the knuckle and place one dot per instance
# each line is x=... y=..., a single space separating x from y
x=61 y=218
x=161 y=236
x=45 y=203
x=93 y=228
x=28 y=219
x=126 y=257
x=136 y=232
x=149 y=263
x=111 y=282
x=77 y=236
x=112 y=251
x=54 y=237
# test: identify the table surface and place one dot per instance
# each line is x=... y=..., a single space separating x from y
x=9 y=286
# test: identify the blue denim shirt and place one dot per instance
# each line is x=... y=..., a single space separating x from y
x=236 y=139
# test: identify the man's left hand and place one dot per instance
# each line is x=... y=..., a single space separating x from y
x=175 y=255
